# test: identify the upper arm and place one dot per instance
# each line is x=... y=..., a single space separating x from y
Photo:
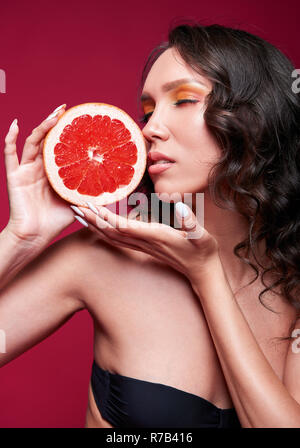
x=41 y=298
x=291 y=378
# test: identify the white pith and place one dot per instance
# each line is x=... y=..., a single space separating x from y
x=99 y=158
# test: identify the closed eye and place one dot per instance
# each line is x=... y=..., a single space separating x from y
x=145 y=118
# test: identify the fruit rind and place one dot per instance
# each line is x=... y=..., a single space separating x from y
x=52 y=139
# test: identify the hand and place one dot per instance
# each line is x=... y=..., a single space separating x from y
x=189 y=250
x=37 y=213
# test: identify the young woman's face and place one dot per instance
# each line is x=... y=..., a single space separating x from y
x=178 y=131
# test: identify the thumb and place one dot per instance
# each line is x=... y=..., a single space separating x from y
x=189 y=221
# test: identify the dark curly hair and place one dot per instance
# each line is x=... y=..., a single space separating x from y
x=255 y=116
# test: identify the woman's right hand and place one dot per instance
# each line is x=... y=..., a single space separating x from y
x=37 y=213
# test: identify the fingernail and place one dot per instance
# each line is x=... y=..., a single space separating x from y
x=55 y=112
x=77 y=210
x=82 y=221
x=15 y=122
x=52 y=115
x=90 y=205
x=182 y=209
x=59 y=107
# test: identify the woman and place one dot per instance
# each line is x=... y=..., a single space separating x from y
x=184 y=339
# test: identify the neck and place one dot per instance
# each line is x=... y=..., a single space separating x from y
x=229 y=228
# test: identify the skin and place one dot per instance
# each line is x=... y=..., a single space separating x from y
x=128 y=316
x=224 y=294
x=195 y=151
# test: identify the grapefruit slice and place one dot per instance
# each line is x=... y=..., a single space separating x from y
x=95 y=152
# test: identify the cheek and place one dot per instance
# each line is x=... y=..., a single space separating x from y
x=199 y=144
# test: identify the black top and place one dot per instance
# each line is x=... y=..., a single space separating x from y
x=131 y=403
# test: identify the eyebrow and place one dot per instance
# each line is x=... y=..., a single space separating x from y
x=171 y=85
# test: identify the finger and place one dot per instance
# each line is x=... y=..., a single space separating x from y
x=40 y=150
x=116 y=237
x=113 y=233
x=92 y=214
x=33 y=143
x=131 y=227
x=152 y=233
x=10 y=150
x=116 y=243
x=189 y=221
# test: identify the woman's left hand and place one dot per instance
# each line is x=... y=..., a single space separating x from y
x=188 y=250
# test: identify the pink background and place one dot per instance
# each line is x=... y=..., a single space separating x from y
x=75 y=52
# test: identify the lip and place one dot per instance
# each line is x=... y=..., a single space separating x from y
x=159 y=168
x=153 y=156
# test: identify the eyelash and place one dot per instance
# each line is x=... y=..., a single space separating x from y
x=144 y=118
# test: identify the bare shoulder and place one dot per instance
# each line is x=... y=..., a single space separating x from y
x=91 y=248
x=97 y=262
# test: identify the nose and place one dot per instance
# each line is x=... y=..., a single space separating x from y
x=155 y=129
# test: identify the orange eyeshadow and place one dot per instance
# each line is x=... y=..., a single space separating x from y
x=181 y=92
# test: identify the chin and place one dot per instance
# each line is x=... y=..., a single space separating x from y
x=168 y=194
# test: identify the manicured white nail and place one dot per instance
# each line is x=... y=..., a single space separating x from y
x=182 y=209
x=55 y=112
x=15 y=122
x=90 y=205
x=76 y=210
x=52 y=115
x=59 y=107
x=82 y=221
